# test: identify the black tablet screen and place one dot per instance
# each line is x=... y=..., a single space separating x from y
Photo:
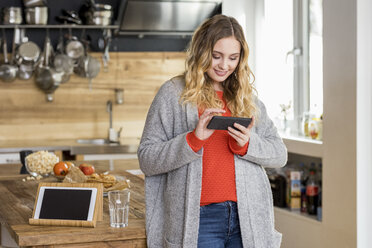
x=65 y=204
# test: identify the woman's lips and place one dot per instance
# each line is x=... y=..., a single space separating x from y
x=220 y=73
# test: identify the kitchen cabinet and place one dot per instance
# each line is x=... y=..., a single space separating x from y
x=300 y=150
x=299 y=229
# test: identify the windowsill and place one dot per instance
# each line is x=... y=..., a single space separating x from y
x=301 y=138
x=303 y=145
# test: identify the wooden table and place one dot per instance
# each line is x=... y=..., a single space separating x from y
x=17 y=202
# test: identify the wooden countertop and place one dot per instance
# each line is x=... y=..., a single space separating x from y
x=14 y=146
x=17 y=201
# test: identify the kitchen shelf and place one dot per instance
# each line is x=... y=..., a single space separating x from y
x=65 y=26
x=297 y=215
x=303 y=146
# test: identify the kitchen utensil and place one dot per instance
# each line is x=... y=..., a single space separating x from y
x=68 y=19
x=28 y=52
x=34 y=3
x=106 y=47
x=40 y=163
x=12 y=15
x=36 y=15
x=74 y=48
x=25 y=71
x=28 y=56
x=70 y=13
x=87 y=66
x=63 y=63
x=15 y=43
x=8 y=71
x=47 y=79
x=101 y=14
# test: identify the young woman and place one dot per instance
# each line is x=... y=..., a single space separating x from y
x=208 y=188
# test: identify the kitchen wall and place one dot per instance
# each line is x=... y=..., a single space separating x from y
x=78 y=112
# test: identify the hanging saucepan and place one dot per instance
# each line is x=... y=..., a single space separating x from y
x=88 y=66
x=74 y=48
x=47 y=79
x=28 y=57
x=63 y=63
x=8 y=71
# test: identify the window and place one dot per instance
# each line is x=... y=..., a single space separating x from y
x=289 y=60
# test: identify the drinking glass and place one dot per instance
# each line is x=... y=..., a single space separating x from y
x=119 y=207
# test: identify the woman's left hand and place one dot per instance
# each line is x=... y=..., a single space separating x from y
x=241 y=135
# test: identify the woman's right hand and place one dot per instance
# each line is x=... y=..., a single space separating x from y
x=201 y=130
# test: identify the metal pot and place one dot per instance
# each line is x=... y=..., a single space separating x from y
x=62 y=63
x=28 y=52
x=27 y=57
x=36 y=15
x=99 y=14
x=12 y=15
x=88 y=67
x=74 y=49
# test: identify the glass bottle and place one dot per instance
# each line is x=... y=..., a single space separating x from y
x=312 y=194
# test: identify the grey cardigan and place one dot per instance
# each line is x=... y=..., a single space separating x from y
x=173 y=175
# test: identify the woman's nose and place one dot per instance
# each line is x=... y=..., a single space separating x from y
x=223 y=64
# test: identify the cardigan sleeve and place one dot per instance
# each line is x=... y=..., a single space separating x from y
x=161 y=150
x=266 y=147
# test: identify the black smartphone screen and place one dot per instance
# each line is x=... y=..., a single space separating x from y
x=223 y=122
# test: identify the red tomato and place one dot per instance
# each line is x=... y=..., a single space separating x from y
x=60 y=169
x=87 y=169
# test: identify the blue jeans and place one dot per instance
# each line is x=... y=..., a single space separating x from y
x=219 y=226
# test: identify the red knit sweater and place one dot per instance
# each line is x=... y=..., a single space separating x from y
x=218 y=179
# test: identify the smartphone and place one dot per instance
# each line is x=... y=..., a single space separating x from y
x=223 y=122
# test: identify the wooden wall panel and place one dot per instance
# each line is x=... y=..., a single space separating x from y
x=78 y=112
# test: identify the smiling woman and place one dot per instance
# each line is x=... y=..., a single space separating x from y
x=197 y=178
x=225 y=59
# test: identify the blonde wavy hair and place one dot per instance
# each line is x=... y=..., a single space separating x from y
x=238 y=88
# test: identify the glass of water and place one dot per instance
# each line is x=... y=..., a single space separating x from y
x=119 y=207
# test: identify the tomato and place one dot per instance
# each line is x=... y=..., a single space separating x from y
x=60 y=169
x=87 y=169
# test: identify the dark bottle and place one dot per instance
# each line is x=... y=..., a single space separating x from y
x=312 y=194
x=304 y=178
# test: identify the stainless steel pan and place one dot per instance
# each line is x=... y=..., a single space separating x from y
x=8 y=71
x=28 y=56
x=88 y=66
x=63 y=63
x=47 y=79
